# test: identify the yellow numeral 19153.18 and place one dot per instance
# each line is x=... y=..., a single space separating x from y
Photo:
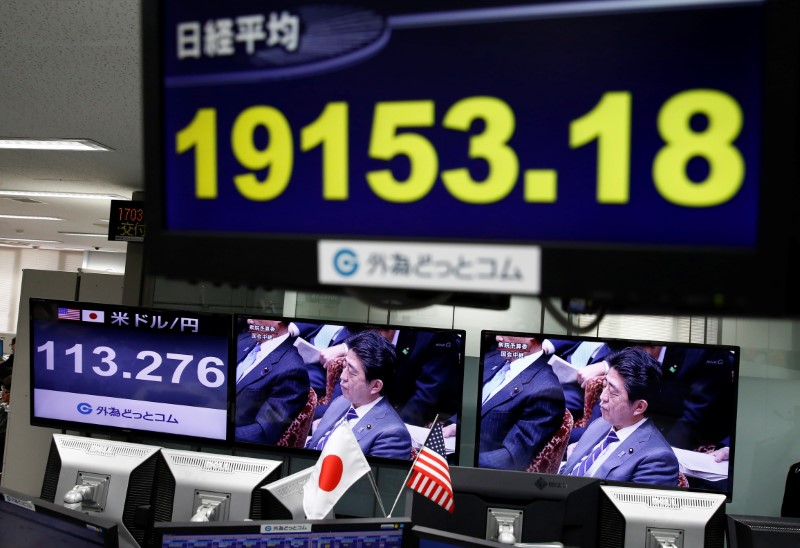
x=393 y=135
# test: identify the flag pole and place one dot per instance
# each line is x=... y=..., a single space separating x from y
x=397 y=498
x=377 y=494
x=372 y=481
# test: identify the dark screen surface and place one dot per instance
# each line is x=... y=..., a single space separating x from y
x=367 y=532
x=29 y=521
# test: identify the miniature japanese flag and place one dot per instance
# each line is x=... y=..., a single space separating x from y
x=340 y=465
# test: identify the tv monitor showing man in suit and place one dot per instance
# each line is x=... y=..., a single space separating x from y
x=623 y=444
x=365 y=379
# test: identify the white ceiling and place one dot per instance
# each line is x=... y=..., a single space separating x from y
x=70 y=69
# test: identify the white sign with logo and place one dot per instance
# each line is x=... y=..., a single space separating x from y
x=507 y=269
x=124 y=413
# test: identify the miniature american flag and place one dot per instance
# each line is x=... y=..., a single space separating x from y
x=430 y=475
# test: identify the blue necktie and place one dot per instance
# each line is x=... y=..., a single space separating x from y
x=351 y=414
x=495 y=381
x=581 y=468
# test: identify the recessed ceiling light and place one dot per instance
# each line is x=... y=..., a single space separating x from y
x=52 y=144
x=27 y=240
x=88 y=234
x=31 y=217
x=79 y=195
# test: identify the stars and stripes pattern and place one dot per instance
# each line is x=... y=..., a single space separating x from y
x=430 y=475
x=69 y=314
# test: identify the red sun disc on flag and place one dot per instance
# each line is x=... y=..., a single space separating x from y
x=93 y=315
x=331 y=473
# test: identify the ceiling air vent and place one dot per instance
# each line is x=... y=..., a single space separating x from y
x=25 y=200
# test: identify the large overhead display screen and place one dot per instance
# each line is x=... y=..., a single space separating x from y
x=576 y=128
x=493 y=116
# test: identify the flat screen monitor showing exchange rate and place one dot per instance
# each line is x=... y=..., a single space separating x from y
x=109 y=367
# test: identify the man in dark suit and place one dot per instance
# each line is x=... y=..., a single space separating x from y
x=624 y=445
x=701 y=380
x=367 y=374
x=429 y=377
x=428 y=374
x=272 y=384
x=580 y=354
x=522 y=404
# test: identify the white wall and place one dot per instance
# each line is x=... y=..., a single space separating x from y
x=15 y=260
x=103 y=262
x=27 y=446
x=768 y=417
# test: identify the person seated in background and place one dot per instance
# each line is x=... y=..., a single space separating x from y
x=368 y=371
x=522 y=404
x=701 y=378
x=624 y=445
x=327 y=338
x=580 y=354
x=7 y=365
x=723 y=453
x=272 y=384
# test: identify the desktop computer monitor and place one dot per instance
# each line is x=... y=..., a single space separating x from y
x=285 y=495
x=337 y=533
x=634 y=517
x=30 y=521
x=533 y=507
x=763 y=532
x=105 y=478
x=194 y=486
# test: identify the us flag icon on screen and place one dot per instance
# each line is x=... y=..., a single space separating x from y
x=68 y=314
x=97 y=316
